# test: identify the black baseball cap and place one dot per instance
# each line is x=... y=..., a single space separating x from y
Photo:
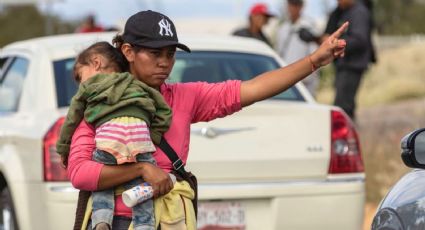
x=151 y=29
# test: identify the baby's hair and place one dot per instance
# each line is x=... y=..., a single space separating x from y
x=115 y=59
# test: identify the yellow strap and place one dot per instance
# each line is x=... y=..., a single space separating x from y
x=87 y=214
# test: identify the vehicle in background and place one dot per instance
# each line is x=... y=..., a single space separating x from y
x=403 y=207
x=283 y=163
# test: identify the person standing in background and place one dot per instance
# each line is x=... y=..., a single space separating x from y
x=259 y=16
x=89 y=25
x=359 y=52
x=289 y=44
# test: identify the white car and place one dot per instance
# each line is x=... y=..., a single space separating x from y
x=284 y=163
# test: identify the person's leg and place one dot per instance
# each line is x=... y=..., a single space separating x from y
x=347 y=83
x=103 y=200
x=143 y=213
x=121 y=223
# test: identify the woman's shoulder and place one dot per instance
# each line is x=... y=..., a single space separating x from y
x=85 y=127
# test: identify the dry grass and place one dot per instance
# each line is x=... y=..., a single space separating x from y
x=398 y=75
x=381 y=129
x=370 y=210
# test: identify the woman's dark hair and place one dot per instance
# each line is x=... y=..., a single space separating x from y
x=118 y=41
x=115 y=59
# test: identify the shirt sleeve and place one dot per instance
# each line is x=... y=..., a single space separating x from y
x=83 y=172
x=214 y=100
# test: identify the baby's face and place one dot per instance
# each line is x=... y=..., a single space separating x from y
x=97 y=65
x=84 y=72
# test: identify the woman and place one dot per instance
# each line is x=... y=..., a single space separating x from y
x=149 y=44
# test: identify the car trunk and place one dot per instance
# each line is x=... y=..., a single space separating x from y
x=268 y=141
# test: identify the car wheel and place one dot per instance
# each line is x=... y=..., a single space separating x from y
x=8 y=217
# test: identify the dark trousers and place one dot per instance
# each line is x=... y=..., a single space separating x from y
x=347 y=83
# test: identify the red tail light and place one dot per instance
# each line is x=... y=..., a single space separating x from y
x=345 y=145
x=53 y=170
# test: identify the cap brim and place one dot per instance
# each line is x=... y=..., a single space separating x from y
x=160 y=44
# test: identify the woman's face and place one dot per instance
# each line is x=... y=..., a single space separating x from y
x=294 y=11
x=344 y=4
x=152 y=66
x=259 y=20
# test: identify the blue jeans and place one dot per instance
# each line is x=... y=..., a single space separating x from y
x=103 y=200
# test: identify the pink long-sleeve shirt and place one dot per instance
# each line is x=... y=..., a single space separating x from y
x=190 y=103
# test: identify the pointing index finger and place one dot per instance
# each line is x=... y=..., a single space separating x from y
x=340 y=30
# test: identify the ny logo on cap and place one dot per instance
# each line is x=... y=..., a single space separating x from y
x=165 y=26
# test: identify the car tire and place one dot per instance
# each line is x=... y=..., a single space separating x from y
x=8 y=216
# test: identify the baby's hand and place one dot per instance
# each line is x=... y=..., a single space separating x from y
x=64 y=161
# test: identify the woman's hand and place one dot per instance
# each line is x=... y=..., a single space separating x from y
x=332 y=47
x=160 y=180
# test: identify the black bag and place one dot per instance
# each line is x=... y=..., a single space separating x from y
x=83 y=198
x=180 y=172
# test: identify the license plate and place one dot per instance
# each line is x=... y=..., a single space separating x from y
x=220 y=216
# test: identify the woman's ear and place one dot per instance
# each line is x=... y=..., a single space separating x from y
x=128 y=52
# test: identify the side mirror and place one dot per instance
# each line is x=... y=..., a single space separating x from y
x=7 y=99
x=413 y=149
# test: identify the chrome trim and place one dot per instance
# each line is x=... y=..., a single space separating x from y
x=211 y=132
x=335 y=180
x=357 y=179
x=63 y=189
x=346 y=177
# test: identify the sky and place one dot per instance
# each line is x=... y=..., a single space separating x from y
x=114 y=12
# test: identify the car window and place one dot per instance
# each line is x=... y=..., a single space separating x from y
x=212 y=67
x=11 y=84
x=66 y=86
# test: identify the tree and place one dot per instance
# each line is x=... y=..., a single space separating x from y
x=399 y=16
x=26 y=21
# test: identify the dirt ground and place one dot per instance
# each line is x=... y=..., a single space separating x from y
x=380 y=129
x=370 y=210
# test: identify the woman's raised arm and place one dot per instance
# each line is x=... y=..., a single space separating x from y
x=274 y=82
